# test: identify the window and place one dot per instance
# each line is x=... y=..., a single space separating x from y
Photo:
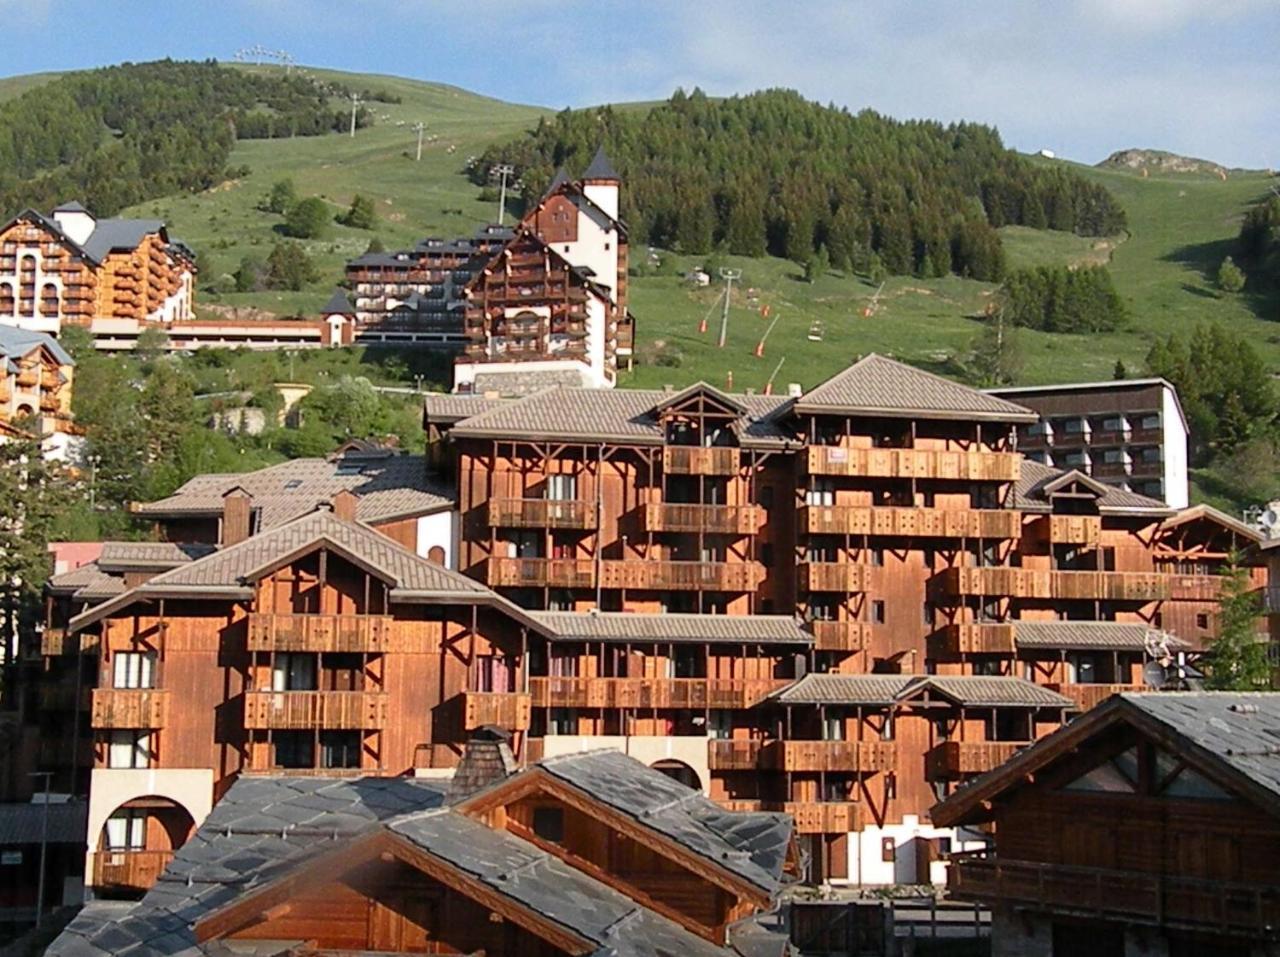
x=822 y=492
x=134 y=669
x=877 y=612
x=1202 y=620
x=294 y=749
x=294 y=671
x=548 y=823
x=340 y=749
x=563 y=721
x=928 y=614
x=129 y=749
x=877 y=557
x=1151 y=422
x=833 y=728
x=127 y=830
x=562 y=488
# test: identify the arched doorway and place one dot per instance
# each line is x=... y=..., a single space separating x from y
x=136 y=843
x=678 y=771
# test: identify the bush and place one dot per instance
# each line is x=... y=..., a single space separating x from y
x=361 y=215
x=1230 y=276
x=307 y=219
x=281 y=198
x=289 y=267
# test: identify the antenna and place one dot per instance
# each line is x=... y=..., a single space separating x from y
x=355 y=102
x=502 y=171
x=730 y=276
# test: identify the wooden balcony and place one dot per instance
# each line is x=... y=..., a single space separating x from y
x=541 y=572
x=734 y=755
x=825 y=817
x=915 y=463
x=306 y=710
x=696 y=460
x=1196 y=588
x=1054 y=585
x=1211 y=905
x=541 y=513
x=681 y=576
x=912 y=522
x=696 y=693
x=56 y=641
x=712 y=519
x=1087 y=696
x=841 y=635
x=128 y=870
x=957 y=759
x=835 y=576
x=371 y=634
x=1074 y=529
x=130 y=708
x=975 y=638
x=851 y=757
x=509 y=710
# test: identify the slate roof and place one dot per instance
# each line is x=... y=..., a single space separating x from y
x=17 y=343
x=388 y=487
x=338 y=304
x=622 y=415
x=24 y=823
x=112 y=234
x=625 y=626
x=884 y=690
x=141 y=556
x=1030 y=495
x=600 y=167
x=752 y=846
x=558 y=179
x=1086 y=635
x=876 y=385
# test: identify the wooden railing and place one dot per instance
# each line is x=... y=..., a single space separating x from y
x=1043 y=583
x=734 y=755
x=57 y=641
x=1074 y=529
x=912 y=522
x=976 y=638
x=854 y=757
x=553 y=572
x=509 y=710
x=696 y=460
x=955 y=759
x=541 y=513
x=841 y=635
x=711 y=576
x=129 y=870
x=1213 y=905
x=129 y=708
x=825 y=817
x=715 y=519
x=835 y=576
x=1089 y=695
x=316 y=632
x=915 y=463
x=698 y=693
x=303 y=710
x=1196 y=587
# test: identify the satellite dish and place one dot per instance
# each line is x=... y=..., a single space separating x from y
x=1153 y=673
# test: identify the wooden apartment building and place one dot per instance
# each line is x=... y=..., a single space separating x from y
x=35 y=391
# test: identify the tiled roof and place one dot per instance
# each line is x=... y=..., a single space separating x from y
x=445 y=408
x=1083 y=635
x=510 y=380
x=876 y=385
x=23 y=823
x=1029 y=493
x=69 y=581
x=121 y=556
x=388 y=487
x=980 y=690
x=625 y=626
x=886 y=689
x=844 y=689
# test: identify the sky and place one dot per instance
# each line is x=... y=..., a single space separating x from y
x=1080 y=77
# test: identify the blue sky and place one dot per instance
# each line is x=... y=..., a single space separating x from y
x=1081 y=77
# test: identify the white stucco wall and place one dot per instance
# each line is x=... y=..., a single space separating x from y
x=865 y=853
x=1176 y=493
x=439 y=528
x=690 y=750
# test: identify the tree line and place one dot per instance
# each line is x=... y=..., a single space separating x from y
x=1062 y=299
x=124 y=134
x=772 y=173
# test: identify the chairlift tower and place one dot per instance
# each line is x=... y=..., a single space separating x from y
x=419 y=127
x=730 y=276
x=502 y=171
x=355 y=103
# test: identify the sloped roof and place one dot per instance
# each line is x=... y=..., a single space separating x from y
x=1211 y=514
x=560 y=177
x=142 y=556
x=844 y=689
x=445 y=408
x=338 y=304
x=68 y=823
x=387 y=487
x=883 y=690
x=75 y=578
x=1085 y=635
x=70 y=206
x=876 y=385
x=688 y=392
x=982 y=691
x=625 y=626
x=17 y=343
x=600 y=167
x=1029 y=494
x=111 y=234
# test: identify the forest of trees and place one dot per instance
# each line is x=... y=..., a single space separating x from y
x=1061 y=299
x=774 y=173
x=124 y=134
x=1260 y=240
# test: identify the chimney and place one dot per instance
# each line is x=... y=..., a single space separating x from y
x=344 y=505
x=237 y=516
x=486 y=760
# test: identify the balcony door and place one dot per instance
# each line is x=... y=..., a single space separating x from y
x=133 y=669
x=127 y=830
x=294 y=672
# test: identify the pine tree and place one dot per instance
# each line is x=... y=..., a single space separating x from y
x=361 y=214
x=1237 y=658
x=1230 y=277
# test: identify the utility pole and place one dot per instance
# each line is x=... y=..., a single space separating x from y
x=419 y=127
x=44 y=845
x=729 y=276
x=502 y=171
x=355 y=102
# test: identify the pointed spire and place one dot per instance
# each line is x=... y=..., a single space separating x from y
x=601 y=168
x=558 y=180
x=338 y=304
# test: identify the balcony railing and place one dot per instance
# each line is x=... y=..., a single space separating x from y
x=734 y=755
x=835 y=576
x=714 y=519
x=915 y=463
x=976 y=638
x=130 y=708
x=696 y=460
x=699 y=693
x=841 y=635
x=957 y=759
x=306 y=710
x=1087 y=696
x=912 y=522
x=1213 y=905
x=681 y=575
x=129 y=870
x=825 y=817
x=372 y=634
x=853 y=757
x=1074 y=529
x=1043 y=583
x=541 y=572
x=509 y=710
x=541 y=513
x=1196 y=587
x=57 y=641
